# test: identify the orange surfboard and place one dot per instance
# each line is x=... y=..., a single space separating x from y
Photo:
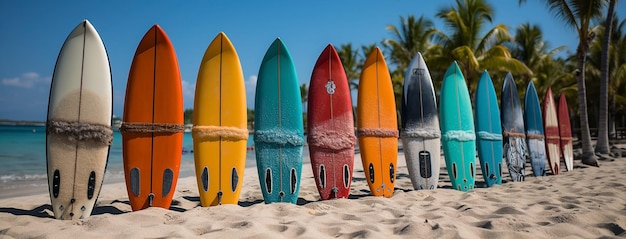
x=377 y=125
x=152 y=131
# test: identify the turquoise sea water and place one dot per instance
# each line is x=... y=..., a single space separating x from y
x=23 y=157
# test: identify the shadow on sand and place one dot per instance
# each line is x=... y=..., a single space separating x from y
x=40 y=211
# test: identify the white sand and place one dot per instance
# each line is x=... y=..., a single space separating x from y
x=588 y=202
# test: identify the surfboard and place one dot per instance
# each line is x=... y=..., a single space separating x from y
x=78 y=131
x=551 y=129
x=488 y=130
x=330 y=135
x=513 y=131
x=421 y=137
x=565 y=133
x=457 y=129
x=220 y=132
x=377 y=125
x=278 y=126
x=152 y=131
x=535 y=137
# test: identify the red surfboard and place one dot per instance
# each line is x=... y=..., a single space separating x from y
x=330 y=126
x=565 y=131
x=551 y=129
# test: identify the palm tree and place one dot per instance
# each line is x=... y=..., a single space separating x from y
x=602 y=145
x=618 y=74
x=250 y=114
x=352 y=62
x=474 y=53
x=413 y=36
x=530 y=48
x=304 y=94
x=304 y=97
x=578 y=14
x=188 y=116
x=616 y=70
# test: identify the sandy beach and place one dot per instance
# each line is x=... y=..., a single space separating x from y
x=588 y=202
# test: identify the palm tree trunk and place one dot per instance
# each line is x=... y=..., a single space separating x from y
x=612 y=130
x=602 y=145
x=588 y=156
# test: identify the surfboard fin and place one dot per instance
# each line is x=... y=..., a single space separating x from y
x=392 y=173
x=346 y=176
x=281 y=194
x=150 y=199
x=234 y=180
x=371 y=169
x=294 y=181
x=204 y=177
x=56 y=184
x=91 y=185
x=322 y=176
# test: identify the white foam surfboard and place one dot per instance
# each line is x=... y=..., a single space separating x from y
x=79 y=121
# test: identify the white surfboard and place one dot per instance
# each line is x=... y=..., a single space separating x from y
x=79 y=123
x=420 y=126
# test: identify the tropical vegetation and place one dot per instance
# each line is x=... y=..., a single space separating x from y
x=468 y=40
x=596 y=71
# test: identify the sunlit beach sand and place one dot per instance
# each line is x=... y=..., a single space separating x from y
x=588 y=202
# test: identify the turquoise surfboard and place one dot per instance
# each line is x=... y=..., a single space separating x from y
x=278 y=127
x=488 y=130
x=535 y=137
x=457 y=129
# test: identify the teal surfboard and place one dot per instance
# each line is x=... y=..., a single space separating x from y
x=278 y=129
x=535 y=137
x=488 y=130
x=457 y=129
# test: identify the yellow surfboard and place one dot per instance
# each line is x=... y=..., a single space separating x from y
x=377 y=125
x=220 y=133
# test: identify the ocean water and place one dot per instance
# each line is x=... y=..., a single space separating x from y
x=23 y=157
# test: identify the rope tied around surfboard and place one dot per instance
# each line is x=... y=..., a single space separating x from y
x=535 y=136
x=215 y=133
x=424 y=133
x=459 y=135
x=151 y=128
x=332 y=139
x=377 y=132
x=279 y=137
x=484 y=135
x=79 y=131
x=513 y=134
x=552 y=137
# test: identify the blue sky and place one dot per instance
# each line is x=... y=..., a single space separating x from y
x=32 y=33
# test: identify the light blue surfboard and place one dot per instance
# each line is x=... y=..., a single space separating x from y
x=488 y=130
x=278 y=129
x=457 y=129
x=535 y=137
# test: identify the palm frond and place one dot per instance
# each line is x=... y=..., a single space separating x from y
x=494 y=36
x=561 y=9
x=465 y=56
